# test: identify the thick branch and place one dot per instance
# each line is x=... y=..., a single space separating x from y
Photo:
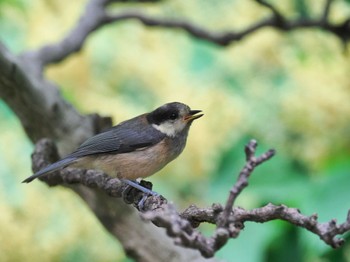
x=43 y=113
x=38 y=105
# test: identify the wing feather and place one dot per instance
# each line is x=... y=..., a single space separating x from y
x=126 y=137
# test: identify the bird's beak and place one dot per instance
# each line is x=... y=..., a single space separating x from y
x=193 y=115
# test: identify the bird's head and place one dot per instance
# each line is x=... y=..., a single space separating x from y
x=173 y=118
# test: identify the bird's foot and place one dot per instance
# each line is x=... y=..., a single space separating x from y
x=140 y=186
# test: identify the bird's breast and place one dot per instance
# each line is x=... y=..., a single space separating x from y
x=136 y=164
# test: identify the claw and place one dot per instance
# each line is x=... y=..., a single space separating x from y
x=139 y=187
x=141 y=203
x=147 y=192
x=128 y=195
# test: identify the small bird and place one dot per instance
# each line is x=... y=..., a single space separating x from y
x=135 y=148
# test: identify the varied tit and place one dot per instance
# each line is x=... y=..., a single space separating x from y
x=135 y=148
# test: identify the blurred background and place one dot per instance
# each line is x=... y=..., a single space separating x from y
x=290 y=91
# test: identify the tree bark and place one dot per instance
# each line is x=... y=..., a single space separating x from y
x=44 y=113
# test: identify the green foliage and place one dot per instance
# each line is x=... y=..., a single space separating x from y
x=288 y=91
x=302 y=8
x=285 y=245
x=20 y=4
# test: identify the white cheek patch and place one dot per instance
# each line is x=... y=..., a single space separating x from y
x=166 y=128
x=170 y=128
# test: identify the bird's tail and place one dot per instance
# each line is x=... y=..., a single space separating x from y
x=51 y=168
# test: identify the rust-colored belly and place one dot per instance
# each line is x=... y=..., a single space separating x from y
x=133 y=165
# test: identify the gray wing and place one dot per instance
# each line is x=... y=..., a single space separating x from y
x=123 y=138
x=126 y=137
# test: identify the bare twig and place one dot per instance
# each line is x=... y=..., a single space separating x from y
x=327 y=231
x=326 y=11
x=273 y=9
x=242 y=181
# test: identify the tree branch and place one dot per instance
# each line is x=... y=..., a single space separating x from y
x=242 y=181
x=273 y=9
x=39 y=107
x=95 y=16
x=92 y=18
x=116 y=217
x=181 y=226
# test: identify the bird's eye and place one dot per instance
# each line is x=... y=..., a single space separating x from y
x=173 y=116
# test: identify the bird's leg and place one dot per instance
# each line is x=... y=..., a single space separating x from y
x=139 y=187
x=142 y=189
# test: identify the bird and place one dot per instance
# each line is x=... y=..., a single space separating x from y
x=135 y=148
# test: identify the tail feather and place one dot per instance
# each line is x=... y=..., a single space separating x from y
x=51 y=168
